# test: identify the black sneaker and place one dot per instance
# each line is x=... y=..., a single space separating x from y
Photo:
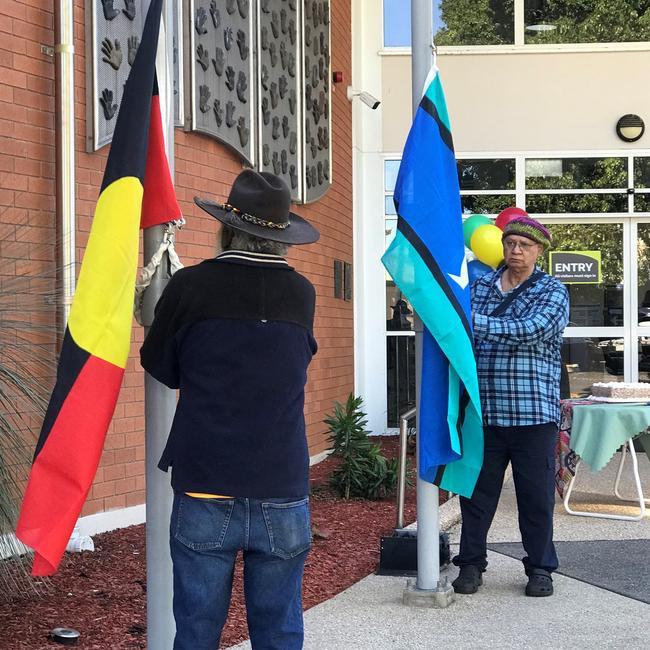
x=468 y=581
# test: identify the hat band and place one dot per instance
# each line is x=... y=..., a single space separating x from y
x=255 y=220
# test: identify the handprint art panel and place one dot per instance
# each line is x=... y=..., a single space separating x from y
x=222 y=73
x=317 y=122
x=278 y=50
x=116 y=31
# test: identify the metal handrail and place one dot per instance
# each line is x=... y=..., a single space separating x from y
x=401 y=466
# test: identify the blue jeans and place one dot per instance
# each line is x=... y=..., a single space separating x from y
x=205 y=537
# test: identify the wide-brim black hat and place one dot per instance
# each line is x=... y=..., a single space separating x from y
x=259 y=204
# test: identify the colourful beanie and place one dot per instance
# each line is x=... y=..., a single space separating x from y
x=527 y=227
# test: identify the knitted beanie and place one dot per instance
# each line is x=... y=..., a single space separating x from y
x=527 y=227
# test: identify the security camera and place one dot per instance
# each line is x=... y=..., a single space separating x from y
x=369 y=100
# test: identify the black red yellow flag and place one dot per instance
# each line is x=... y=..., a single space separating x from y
x=136 y=191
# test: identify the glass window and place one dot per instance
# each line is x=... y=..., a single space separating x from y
x=400 y=377
x=486 y=174
x=593 y=305
x=575 y=203
x=391 y=167
x=642 y=172
x=642 y=202
x=455 y=22
x=459 y=22
x=610 y=21
x=589 y=360
x=389 y=205
x=643 y=273
x=576 y=173
x=486 y=203
x=644 y=358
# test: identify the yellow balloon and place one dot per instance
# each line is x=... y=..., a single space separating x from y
x=486 y=244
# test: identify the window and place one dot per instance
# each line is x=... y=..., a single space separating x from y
x=397 y=22
x=492 y=22
x=575 y=21
x=576 y=185
x=487 y=186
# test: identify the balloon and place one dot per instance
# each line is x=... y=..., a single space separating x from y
x=471 y=224
x=476 y=269
x=508 y=215
x=486 y=244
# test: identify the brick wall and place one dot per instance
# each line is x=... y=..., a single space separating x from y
x=202 y=166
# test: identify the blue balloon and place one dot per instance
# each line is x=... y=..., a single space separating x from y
x=476 y=269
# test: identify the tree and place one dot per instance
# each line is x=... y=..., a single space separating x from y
x=490 y=22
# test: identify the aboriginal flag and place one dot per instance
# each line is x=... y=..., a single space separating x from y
x=136 y=192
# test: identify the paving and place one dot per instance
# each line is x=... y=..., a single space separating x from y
x=595 y=605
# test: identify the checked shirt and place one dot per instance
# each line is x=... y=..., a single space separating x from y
x=518 y=352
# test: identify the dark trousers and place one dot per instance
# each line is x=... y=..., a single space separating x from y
x=531 y=451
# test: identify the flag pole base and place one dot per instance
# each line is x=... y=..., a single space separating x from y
x=440 y=597
x=398 y=555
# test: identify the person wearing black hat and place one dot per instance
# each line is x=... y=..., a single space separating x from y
x=235 y=335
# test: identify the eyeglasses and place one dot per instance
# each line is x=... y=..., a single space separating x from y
x=524 y=246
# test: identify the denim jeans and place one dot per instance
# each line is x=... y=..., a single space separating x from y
x=205 y=537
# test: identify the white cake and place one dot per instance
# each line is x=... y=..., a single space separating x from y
x=621 y=390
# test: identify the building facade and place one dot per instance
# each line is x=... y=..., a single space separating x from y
x=203 y=165
x=535 y=91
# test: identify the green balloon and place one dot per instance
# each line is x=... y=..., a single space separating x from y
x=471 y=224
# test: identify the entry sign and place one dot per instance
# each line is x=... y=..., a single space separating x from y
x=576 y=267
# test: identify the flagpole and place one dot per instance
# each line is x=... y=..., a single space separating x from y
x=427 y=591
x=160 y=404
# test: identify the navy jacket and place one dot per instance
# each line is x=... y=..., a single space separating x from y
x=234 y=334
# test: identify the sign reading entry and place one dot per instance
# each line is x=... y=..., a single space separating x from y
x=575 y=267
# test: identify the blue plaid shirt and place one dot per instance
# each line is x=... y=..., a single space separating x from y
x=518 y=352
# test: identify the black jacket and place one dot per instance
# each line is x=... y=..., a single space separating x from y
x=234 y=334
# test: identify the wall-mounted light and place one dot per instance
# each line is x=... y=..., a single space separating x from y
x=365 y=97
x=630 y=128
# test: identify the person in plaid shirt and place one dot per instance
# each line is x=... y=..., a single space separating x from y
x=519 y=314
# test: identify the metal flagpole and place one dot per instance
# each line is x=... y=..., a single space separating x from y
x=427 y=591
x=160 y=404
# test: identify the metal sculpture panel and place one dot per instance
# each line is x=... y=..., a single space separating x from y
x=317 y=121
x=116 y=28
x=222 y=69
x=279 y=109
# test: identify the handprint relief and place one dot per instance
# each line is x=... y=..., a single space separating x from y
x=106 y=100
x=242 y=87
x=129 y=9
x=218 y=112
x=241 y=43
x=230 y=114
x=200 y=20
x=266 y=113
x=243 y=130
x=109 y=10
x=219 y=61
x=202 y=57
x=112 y=53
x=230 y=77
x=132 y=46
x=227 y=38
x=204 y=98
x=215 y=13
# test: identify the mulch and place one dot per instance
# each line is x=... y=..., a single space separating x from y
x=102 y=594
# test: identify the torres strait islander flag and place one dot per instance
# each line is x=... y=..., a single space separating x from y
x=427 y=262
x=136 y=191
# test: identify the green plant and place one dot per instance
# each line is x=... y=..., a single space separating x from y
x=363 y=471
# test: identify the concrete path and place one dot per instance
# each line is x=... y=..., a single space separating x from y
x=578 y=616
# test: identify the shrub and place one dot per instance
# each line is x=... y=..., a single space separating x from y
x=363 y=471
